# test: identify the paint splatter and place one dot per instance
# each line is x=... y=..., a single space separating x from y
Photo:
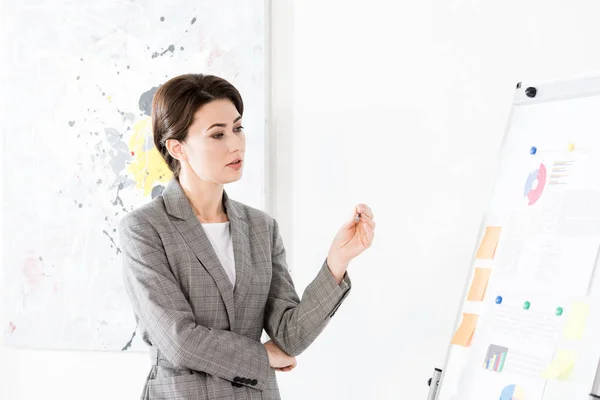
x=71 y=123
x=128 y=344
x=193 y=20
x=148 y=167
x=33 y=272
x=162 y=19
x=118 y=199
x=11 y=328
x=145 y=102
x=171 y=48
x=120 y=152
x=112 y=241
x=157 y=191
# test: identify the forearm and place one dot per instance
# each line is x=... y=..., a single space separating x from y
x=293 y=325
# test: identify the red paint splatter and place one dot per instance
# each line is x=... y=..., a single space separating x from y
x=133 y=153
x=12 y=327
x=32 y=271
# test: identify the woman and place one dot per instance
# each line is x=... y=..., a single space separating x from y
x=206 y=274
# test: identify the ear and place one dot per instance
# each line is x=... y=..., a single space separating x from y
x=175 y=149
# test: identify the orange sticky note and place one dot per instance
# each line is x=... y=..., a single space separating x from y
x=465 y=331
x=487 y=248
x=479 y=284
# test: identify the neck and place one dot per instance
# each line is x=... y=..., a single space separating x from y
x=205 y=197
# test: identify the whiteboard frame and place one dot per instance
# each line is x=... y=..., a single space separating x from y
x=548 y=90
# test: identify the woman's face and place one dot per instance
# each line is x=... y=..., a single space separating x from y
x=215 y=144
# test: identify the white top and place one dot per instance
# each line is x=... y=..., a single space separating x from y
x=219 y=235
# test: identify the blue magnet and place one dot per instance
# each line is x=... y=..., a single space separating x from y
x=533 y=150
x=499 y=300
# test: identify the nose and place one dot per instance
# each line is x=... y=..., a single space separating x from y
x=237 y=142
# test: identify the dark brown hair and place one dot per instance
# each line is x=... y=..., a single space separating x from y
x=176 y=102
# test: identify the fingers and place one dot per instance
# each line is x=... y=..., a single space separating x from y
x=289 y=367
x=364 y=209
x=368 y=220
x=367 y=234
x=361 y=212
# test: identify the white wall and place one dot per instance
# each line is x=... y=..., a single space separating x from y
x=401 y=105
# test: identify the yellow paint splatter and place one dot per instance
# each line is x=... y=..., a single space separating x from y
x=110 y=98
x=148 y=167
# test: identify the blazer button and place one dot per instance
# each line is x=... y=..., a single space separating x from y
x=247 y=381
x=253 y=382
x=237 y=379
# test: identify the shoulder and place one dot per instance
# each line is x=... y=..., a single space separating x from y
x=146 y=216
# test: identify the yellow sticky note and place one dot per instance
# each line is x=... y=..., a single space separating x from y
x=561 y=367
x=576 y=320
x=479 y=284
x=487 y=248
x=465 y=331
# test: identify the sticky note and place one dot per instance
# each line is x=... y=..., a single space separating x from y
x=576 y=320
x=481 y=278
x=487 y=248
x=561 y=367
x=465 y=331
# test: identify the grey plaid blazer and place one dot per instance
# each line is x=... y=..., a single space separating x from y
x=203 y=334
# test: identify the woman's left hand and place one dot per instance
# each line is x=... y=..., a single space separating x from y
x=352 y=239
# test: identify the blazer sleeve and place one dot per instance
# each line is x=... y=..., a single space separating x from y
x=291 y=323
x=161 y=307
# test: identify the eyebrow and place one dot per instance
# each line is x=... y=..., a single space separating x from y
x=224 y=125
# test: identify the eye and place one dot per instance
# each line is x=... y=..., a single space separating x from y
x=217 y=136
x=238 y=129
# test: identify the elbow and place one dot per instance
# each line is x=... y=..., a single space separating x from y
x=176 y=349
x=292 y=349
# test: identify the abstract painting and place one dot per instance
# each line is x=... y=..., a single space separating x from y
x=78 y=148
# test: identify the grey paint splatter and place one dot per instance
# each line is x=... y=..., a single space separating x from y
x=156 y=191
x=128 y=344
x=121 y=153
x=171 y=48
x=146 y=101
x=162 y=19
x=118 y=199
x=193 y=20
x=71 y=123
x=113 y=241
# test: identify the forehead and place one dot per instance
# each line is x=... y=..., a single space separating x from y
x=220 y=111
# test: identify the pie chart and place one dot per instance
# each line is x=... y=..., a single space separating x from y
x=538 y=175
x=512 y=392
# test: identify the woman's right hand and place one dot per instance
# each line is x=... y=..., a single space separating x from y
x=279 y=360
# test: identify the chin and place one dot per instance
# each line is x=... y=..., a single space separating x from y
x=232 y=179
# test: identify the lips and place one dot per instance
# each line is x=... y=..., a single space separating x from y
x=236 y=161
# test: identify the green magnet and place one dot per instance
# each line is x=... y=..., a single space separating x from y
x=526 y=305
x=559 y=311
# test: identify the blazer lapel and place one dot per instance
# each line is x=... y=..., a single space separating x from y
x=187 y=224
x=241 y=250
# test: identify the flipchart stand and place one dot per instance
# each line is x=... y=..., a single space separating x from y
x=437 y=374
